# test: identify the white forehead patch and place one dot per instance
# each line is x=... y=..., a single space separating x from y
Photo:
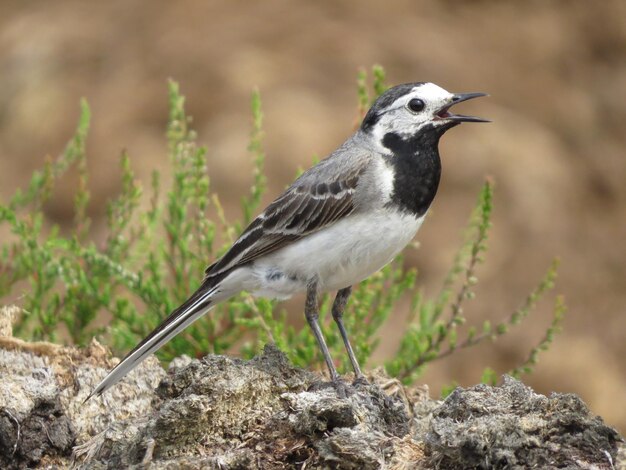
x=430 y=91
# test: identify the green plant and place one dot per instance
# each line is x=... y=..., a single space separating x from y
x=157 y=247
x=430 y=338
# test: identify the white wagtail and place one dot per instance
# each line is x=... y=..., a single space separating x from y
x=342 y=220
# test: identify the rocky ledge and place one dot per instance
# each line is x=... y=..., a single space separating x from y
x=226 y=413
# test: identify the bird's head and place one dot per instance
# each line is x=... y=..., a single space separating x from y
x=413 y=108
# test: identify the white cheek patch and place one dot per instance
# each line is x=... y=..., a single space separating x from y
x=400 y=121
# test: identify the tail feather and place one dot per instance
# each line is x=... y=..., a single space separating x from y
x=192 y=309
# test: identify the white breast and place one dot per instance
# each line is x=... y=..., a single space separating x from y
x=338 y=256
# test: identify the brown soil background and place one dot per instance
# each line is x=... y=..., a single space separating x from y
x=556 y=72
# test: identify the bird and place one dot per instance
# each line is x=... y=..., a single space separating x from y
x=339 y=222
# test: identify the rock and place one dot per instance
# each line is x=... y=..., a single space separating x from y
x=511 y=427
x=42 y=390
x=260 y=413
x=227 y=413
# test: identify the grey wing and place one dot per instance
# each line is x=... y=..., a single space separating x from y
x=301 y=210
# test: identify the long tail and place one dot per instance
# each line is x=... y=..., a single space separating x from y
x=193 y=308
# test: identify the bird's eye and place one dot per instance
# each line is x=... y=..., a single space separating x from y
x=416 y=105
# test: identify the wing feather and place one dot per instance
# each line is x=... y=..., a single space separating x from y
x=300 y=211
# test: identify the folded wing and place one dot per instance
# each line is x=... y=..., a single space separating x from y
x=301 y=210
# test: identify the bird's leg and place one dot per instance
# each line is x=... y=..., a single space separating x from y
x=339 y=305
x=311 y=312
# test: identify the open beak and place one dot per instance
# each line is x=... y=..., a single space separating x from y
x=444 y=113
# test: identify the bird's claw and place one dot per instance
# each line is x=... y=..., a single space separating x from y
x=341 y=387
x=360 y=381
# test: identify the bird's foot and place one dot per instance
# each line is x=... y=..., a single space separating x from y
x=360 y=381
x=341 y=387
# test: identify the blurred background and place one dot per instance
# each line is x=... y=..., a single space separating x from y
x=556 y=73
